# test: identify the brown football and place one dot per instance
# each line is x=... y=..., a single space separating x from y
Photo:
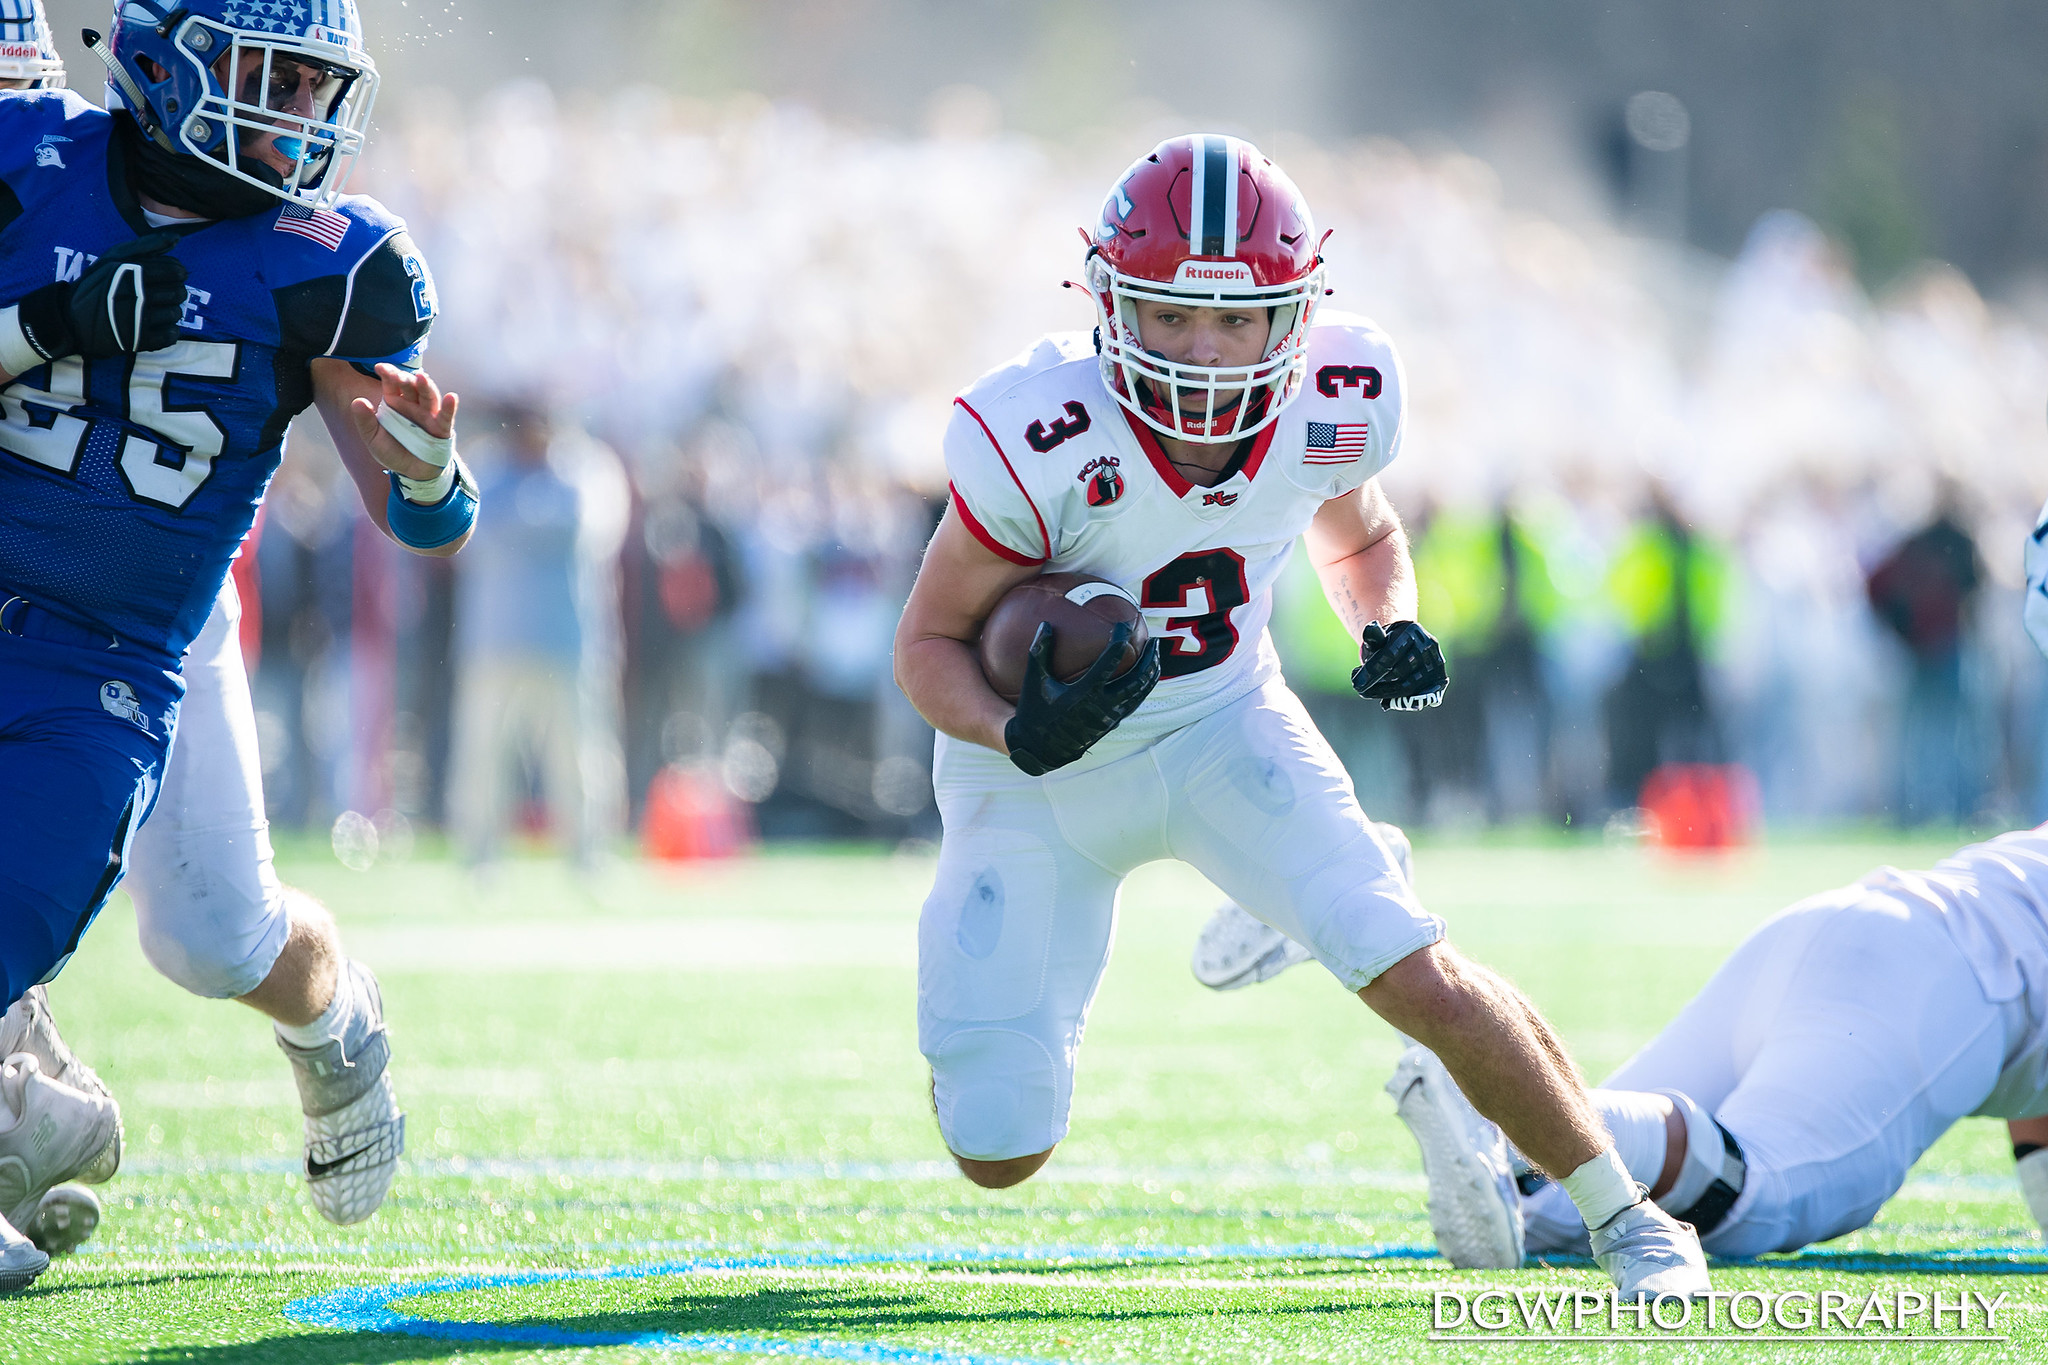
x=1082 y=609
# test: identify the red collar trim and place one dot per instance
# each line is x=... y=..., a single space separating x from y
x=1148 y=441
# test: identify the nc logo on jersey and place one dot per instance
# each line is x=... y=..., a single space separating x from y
x=47 y=153
x=1105 y=484
x=1219 y=499
x=118 y=699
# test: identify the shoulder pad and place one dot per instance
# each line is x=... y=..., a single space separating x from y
x=376 y=305
x=1049 y=352
x=1352 y=406
x=391 y=305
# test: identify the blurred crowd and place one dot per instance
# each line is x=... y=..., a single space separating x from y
x=1665 y=508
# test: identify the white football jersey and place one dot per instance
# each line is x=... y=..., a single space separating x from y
x=1047 y=468
x=1994 y=898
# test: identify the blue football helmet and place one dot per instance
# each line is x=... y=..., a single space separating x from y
x=26 y=51
x=274 y=92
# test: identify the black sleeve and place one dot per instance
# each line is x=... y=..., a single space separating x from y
x=10 y=205
x=390 y=307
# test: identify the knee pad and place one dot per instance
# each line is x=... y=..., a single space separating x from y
x=998 y=1095
x=1713 y=1171
x=213 y=917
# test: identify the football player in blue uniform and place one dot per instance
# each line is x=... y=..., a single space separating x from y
x=179 y=277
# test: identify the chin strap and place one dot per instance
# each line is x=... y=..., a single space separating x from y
x=138 y=106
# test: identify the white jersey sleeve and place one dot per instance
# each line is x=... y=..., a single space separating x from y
x=1354 y=404
x=999 y=482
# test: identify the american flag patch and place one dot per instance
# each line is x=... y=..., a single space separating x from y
x=324 y=226
x=1335 y=442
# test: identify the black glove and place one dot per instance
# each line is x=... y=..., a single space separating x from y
x=127 y=301
x=1402 y=669
x=1057 y=722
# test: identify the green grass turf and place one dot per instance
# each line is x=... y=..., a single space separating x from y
x=648 y=1067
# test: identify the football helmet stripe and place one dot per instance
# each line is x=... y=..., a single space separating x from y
x=1229 y=196
x=1212 y=173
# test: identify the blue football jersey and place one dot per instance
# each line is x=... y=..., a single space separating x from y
x=127 y=484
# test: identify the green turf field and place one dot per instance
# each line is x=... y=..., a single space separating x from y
x=682 y=1118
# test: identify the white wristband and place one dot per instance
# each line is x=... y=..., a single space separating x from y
x=17 y=357
x=2033 y=1174
x=438 y=451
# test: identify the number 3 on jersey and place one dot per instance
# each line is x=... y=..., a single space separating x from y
x=166 y=472
x=1206 y=638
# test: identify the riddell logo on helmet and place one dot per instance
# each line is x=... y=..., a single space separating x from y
x=20 y=51
x=1214 y=273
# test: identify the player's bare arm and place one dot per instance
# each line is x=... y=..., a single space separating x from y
x=348 y=401
x=1360 y=553
x=958 y=585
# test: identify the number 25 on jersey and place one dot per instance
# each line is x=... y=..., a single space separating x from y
x=37 y=425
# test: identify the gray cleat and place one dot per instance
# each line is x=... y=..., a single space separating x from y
x=354 y=1130
x=65 y=1220
x=1646 y=1251
x=20 y=1260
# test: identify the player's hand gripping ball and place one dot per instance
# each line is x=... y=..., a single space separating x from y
x=126 y=302
x=1402 y=669
x=1089 y=662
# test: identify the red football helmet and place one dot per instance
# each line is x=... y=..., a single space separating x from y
x=1206 y=221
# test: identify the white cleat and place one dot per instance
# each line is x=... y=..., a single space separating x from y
x=49 y=1133
x=65 y=1220
x=20 y=1260
x=1237 y=949
x=1474 y=1207
x=28 y=1026
x=1646 y=1251
x=354 y=1130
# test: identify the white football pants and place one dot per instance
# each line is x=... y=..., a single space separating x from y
x=208 y=904
x=1017 y=929
x=1836 y=1044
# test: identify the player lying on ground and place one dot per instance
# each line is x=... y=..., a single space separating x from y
x=1786 y=1103
x=182 y=279
x=1215 y=418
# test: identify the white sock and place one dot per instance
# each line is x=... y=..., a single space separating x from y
x=336 y=1021
x=1637 y=1122
x=1601 y=1188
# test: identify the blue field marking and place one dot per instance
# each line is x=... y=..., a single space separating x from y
x=368 y=1308
x=2013 y=1260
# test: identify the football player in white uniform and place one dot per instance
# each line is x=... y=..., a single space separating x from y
x=1216 y=416
x=211 y=912
x=1786 y=1103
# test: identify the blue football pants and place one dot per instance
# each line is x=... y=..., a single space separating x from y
x=84 y=736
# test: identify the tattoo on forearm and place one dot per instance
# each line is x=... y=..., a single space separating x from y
x=1354 y=615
